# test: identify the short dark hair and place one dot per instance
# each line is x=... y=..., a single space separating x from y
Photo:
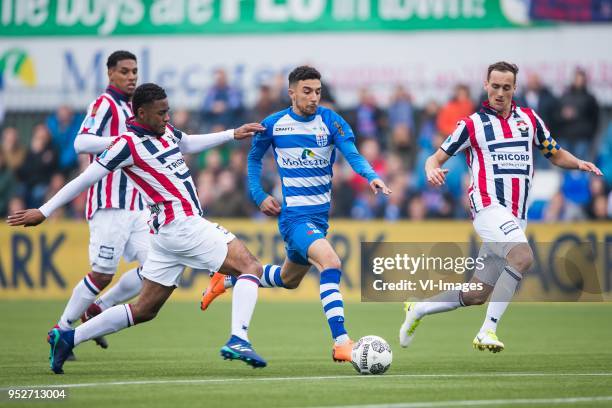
x=117 y=56
x=503 y=66
x=145 y=94
x=303 y=73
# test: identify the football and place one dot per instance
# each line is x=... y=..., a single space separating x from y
x=371 y=355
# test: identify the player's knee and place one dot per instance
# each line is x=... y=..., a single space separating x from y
x=520 y=258
x=332 y=262
x=478 y=298
x=101 y=280
x=474 y=298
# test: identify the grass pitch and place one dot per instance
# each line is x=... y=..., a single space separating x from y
x=556 y=355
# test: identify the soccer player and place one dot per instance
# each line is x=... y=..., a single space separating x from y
x=498 y=142
x=114 y=208
x=151 y=155
x=304 y=138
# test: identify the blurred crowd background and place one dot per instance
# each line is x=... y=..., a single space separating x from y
x=37 y=156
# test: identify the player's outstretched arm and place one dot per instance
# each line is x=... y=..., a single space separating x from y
x=94 y=144
x=198 y=143
x=361 y=166
x=266 y=203
x=566 y=160
x=32 y=217
x=436 y=175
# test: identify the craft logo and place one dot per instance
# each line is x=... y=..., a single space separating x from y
x=16 y=63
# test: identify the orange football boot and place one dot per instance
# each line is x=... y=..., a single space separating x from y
x=216 y=287
x=342 y=352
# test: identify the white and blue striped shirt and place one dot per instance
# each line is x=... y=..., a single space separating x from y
x=304 y=150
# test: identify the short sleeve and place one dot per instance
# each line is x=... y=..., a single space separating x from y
x=117 y=155
x=458 y=141
x=543 y=140
x=99 y=115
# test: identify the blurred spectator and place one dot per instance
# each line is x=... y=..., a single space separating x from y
x=205 y=188
x=327 y=97
x=400 y=109
x=181 y=119
x=598 y=207
x=575 y=187
x=7 y=184
x=343 y=194
x=229 y=200
x=40 y=165
x=578 y=117
x=459 y=106
x=64 y=125
x=370 y=150
x=539 y=98
x=367 y=119
x=604 y=160
x=415 y=208
x=13 y=151
x=403 y=144
x=222 y=104
x=15 y=204
x=266 y=104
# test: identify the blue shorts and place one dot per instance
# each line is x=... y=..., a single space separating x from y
x=299 y=234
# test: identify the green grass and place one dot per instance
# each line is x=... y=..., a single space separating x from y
x=183 y=344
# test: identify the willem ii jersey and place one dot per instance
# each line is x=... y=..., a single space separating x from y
x=107 y=116
x=304 y=150
x=499 y=153
x=156 y=167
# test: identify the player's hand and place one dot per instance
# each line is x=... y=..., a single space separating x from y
x=27 y=218
x=378 y=184
x=270 y=206
x=589 y=167
x=247 y=130
x=436 y=176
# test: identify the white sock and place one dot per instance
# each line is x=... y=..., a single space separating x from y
x=109 y=321
x=503 y=291
x=442 y=302
x=83 y=295
x=127 y=287
x=243 y=304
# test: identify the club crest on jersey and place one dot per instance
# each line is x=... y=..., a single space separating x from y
x=322 y=139
x=522 y=126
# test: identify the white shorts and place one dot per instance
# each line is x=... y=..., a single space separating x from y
x=114 y=233
x=191 y=241
x=500 y=231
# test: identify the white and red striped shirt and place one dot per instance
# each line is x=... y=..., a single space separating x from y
x=107 y=116
x=156 y=166
x=499 y=154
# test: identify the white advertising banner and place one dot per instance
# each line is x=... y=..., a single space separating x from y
x=41 y=73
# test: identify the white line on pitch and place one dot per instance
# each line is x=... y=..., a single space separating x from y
x=472 y=403
x=315 y=378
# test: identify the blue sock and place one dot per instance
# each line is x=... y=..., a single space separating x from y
x=332 y=303
x=271 y=277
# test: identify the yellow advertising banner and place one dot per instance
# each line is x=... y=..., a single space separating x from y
x=47 y=261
